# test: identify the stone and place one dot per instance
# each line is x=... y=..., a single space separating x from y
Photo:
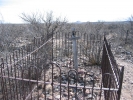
x=42 y=96
x=81 y=84
x=48 y=88
x=56 y=90
x=98 y=93
x=72 y=81
x=81 y=79
x=65 y=94
x=71 y=93
x=91 y=74
x=87 y=92
x=70 y=90
x=97 y=79
x=56 y=76
x=64 y=82
x=128 y=53
x=81 y=71
x=49 y=98
x=119 y=47
x=91 y=79
x=72 y=75
x=90 y=96
x=73 y=99
x=57 y=97
x=64 y=77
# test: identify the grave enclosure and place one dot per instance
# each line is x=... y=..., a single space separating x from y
x=63 y=66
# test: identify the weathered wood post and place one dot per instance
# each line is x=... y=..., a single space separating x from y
x=74 y=47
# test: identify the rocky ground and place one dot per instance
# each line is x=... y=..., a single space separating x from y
x=127 y=88
x=93 y=79
x=125 y=58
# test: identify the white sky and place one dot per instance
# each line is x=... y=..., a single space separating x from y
x=73 y=10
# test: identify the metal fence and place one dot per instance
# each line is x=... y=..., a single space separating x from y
x=44 y=70
x=112 y=76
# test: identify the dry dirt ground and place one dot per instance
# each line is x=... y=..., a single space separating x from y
x=127 y=88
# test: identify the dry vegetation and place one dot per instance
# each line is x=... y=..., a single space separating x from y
x=119 y=34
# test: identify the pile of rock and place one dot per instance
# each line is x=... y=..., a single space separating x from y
x=88 y=76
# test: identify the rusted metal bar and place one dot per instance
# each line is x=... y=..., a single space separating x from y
x=121 y=80
x=97 y=88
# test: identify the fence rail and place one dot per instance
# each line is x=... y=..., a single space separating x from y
x=44 y=70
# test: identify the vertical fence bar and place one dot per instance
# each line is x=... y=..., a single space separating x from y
x=120 y=83
x=30 y=85
x=68 y=44
x=52 y=71
x=2 y=80
x=56 y=46
x=44 y=80
x=9 y=81
x=92 y=86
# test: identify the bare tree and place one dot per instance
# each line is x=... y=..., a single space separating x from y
x=127 y=28
x=44 y=25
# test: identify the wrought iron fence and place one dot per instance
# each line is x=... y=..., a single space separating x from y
x=112 y=76
x=44 y=70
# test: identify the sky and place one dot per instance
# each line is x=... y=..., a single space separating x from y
x=72 y=10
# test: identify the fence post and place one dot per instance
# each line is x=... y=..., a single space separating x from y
x=120 y=82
